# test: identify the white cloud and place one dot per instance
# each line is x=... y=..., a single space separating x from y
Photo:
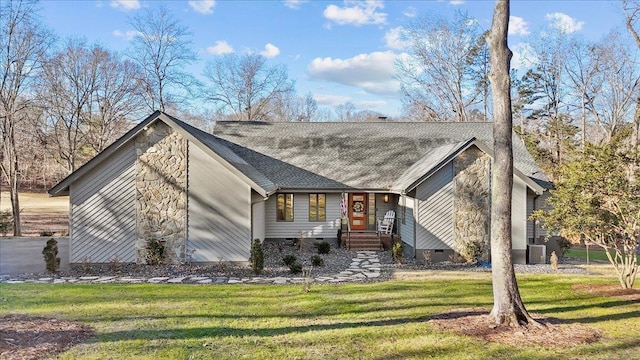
x=203 y=6
x=396 y=38
x=356 y=13
x=128 y=35
x=410 y=12
x=524 y=57
x=372 y=72
x=125 y=5
x=564 y=22
x=456 y=2
x=517 y=26
x=330 y=100
x=294 y=4
x=270 y=51
x=220 y=48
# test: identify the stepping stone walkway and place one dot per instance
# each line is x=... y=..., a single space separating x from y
x=366 y=265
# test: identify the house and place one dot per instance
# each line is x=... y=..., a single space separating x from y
x=208 y=195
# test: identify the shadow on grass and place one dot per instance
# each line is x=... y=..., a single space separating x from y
x=194 y=333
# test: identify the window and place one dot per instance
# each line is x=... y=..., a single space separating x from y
x=285 y=207
x=372 y=211
x=317 y=207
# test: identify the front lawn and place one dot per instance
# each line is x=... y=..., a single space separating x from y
x=364 y=321
x=595 y=254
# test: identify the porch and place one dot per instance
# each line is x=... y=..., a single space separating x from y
x=361 y=216
x=367 y=240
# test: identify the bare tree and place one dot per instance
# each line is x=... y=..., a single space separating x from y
x=443 y=78
x=116 y=99
x=611 y=105
x=508 y=308
x=23 y=42
x=245 y=86
x=287 y=106
x=162 y=48
x=67 y=87
x=585 y=80
x=345 y=111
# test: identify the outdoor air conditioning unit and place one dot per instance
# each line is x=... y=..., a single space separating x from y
x=537 y=254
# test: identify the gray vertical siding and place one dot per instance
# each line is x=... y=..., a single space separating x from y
x=406 y=226
x=435 y=208
x=275 y=229
x=103 y=211
x=219 y=211
x=257 y=217
x=519 y=215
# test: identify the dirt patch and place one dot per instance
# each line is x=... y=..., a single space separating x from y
x=632 y=295
x=553 y=332
x=27 y=337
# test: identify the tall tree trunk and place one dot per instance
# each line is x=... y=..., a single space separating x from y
x=508 y=308
x=632 y=11
x=10 y=171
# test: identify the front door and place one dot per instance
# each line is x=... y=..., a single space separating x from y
x=358 y=211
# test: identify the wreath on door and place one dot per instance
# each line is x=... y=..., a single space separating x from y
x=358 y=206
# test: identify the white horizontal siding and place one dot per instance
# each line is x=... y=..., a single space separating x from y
x=275 y=229
x=435 y=211
x=219 y=211
x=103 y=211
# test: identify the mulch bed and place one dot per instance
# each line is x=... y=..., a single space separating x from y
x=632 y=295
x=25 y=337
x=476 y=322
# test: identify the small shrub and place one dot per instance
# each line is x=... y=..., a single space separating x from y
x=323 y=247
x=188 y=254
x=257 y=257
x=85 y=265
x=115 y=264
x=45 y=233
x=5 y=222
x=289 y=259
x=456 y=258
x=306 y=274
x=554 y=260
x=396 y=251
x=317 y=261
x=427 y=256
x=222 y=265
x=295 y=268
x=51 y=258
x=155 y=252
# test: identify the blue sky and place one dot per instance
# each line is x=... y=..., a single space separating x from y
x=336 y=50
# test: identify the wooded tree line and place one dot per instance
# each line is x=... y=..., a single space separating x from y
x=64 y=100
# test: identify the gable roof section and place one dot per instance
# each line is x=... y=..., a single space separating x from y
x=435 y=159
x=207 y=142
x=368 y=156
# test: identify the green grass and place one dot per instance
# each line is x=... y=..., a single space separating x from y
x=365 y=321
x=595 y=254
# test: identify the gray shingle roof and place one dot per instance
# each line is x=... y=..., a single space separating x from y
x=336 y=155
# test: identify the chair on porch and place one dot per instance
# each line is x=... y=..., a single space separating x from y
x=385 y=225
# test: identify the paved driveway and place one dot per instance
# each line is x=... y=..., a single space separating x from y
x=24 y=254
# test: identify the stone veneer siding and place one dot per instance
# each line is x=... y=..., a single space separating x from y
x=472 y=199
x=161 y=180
